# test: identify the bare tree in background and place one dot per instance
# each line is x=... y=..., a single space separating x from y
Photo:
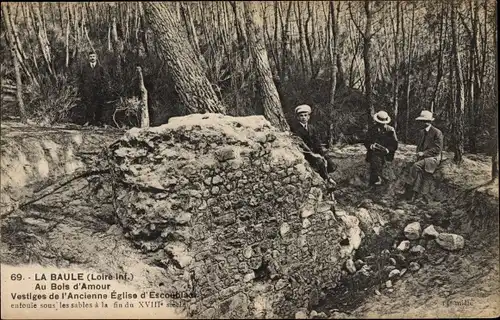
x=494 y=158
x=333 y=52
x=459 y=105
x=367 y=35
x=13 y=49
x=268 y=93
x=192 y=85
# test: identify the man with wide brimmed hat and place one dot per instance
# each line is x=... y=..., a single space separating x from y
x=381 y=143
x=429 y=155
x=313 y=151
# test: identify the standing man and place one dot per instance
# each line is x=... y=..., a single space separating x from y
x=312 y=149
x=429 y=155
x=93 y=88
x=381 y=142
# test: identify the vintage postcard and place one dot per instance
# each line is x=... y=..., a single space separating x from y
x=249 y=159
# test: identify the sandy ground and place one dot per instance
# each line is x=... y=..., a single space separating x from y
x=461 y=284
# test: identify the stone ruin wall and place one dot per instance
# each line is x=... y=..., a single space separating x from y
x=232 y=212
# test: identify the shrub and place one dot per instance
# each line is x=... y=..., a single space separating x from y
x=52 y=100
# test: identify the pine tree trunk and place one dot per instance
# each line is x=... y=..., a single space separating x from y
x=193 y=30
x=333 y=65
x=276 y=40
x=285 y=44
x=494 y=158
x=268 y=92
x=13 y=49
x=408 y=73
x=21 y=57
x=474 y=86
x=395 y=97
x=459 y=106
x=333 y=53
x=42 y=40
x=308 y=42
x=367 y=59
x=439 y=75
x=66 y=43
x=192 y=85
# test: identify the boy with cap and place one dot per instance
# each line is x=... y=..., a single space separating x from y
x=313 y=152
x=381 y=142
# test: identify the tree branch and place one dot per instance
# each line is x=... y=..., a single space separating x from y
x=54 y=187
x=354 y=22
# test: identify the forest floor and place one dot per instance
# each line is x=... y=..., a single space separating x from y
x=463 y=283
x=74 y=226
x=448 y=284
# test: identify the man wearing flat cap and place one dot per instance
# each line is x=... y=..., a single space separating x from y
x=429 y=156
x=314 y=152
x=381 y=143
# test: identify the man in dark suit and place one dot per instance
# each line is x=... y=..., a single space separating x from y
x=313 y=151
x=381 y=142
x=429 y=155
x=93 y=82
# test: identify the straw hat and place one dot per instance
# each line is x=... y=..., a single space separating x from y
x=382 y=117
x=303 y=108
x=425 y=116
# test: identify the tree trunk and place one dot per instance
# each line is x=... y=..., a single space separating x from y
x=285 y=44
x=61 y=15
x=333 y=65
x=276 y=41
x=17 y=42
x=395 y=97
x=269 y=41
x=333 y=52
x=367 y=59
x=439 y=75
x=144 y=100
x=474 y=86
x=459 y=106
x=76 y=30
x=144 y=38
x=408 y=73
x=192 y=85
x=66 y=42
x=240 y=23
x=21 y=57
x=13 y=49
x=193 y=30
x=42 y=40
x=494 y=158
x=302 y=50
x=270 y=100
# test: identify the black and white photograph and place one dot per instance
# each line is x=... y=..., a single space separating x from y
x=249 y=160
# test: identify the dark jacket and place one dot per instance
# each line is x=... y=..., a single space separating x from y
x=309 y=136
x=93 y=81
x=431 y=144
x=383 y=135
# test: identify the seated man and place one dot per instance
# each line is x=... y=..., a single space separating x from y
x=313 y=152
x=429 y=155
x=381 y=143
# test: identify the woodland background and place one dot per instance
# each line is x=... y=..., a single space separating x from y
x=347 y=59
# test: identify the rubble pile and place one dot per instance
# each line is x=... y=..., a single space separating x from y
x=407 y=254
x=234 y=214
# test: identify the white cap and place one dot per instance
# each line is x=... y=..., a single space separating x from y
x=303 y=108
